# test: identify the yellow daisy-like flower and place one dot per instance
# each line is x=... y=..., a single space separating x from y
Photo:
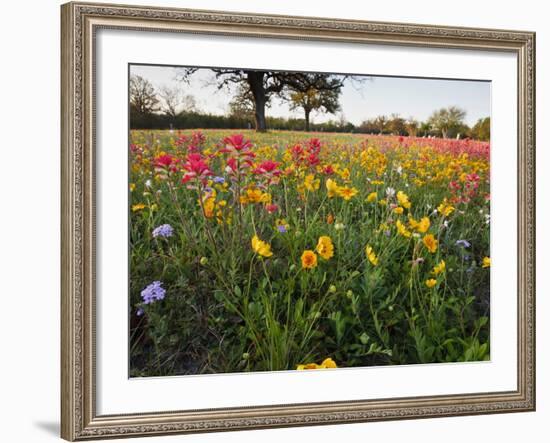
x=332 y=188
x=486 y=262
x=372 y=197
x=325 y=248
x=309 y=259
x=209 y=205
x=423 y=225
x=255 y=196
x=328 y=363
x=439 y=268
x=430 y=242
x=310 y=183
x=261 y=247
x=403 y=199
x=371 y=255
x=402 y=229
x=132 y=187
x=445 y=208
x=430 y=283
x=138 y=207
x=398 y=210
x=347 y=193
x=344 y=173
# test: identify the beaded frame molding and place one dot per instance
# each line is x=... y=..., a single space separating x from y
x=79 y=23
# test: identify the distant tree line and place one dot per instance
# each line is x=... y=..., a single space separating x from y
x=169 y=108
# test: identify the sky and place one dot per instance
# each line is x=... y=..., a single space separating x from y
x=408 y=97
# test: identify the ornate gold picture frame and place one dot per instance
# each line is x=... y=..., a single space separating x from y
x=80 y=22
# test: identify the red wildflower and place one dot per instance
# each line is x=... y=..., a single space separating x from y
x=163 y=161
x=232 y=164
x=314 y=145
x=454 y=185
x=198 y=138
x=312 y=159
x=297 y=152
x=182 y=140
x=268 y=166
x=271 y=208
x=195 y=167
x=236 y=144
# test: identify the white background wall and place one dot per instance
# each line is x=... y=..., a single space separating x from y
x=29 y=219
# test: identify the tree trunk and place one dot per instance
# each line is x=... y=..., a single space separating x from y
x=256 y=82
x=307 y=112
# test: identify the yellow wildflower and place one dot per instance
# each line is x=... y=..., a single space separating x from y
x=430 y=242
x=138 y=207
x=310 y=183
x=254 y=195
x=371 y=255
x=347 y=193
x=423 y=225
x=132 y=187
x=261 y=247
x=445 y=208
x=209 y=205
x=325 y=248
x=439 y=268
x=430 y=283
x=332 y=188
x=372 y=197
x=328 y=363
x=309 y=259
x=402 y=229
x=344 y=173
x=398 y=210
x=403 y=199
x=486 y=263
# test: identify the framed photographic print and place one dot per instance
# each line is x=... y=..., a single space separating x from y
x=280 y=221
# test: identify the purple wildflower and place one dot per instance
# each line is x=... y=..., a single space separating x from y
x=282 y=229
x=463 y=243
x=219 y=180
x=140 y=312
x=163 y=231
x=153 y=292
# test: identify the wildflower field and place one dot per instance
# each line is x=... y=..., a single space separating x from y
x=291 y=250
